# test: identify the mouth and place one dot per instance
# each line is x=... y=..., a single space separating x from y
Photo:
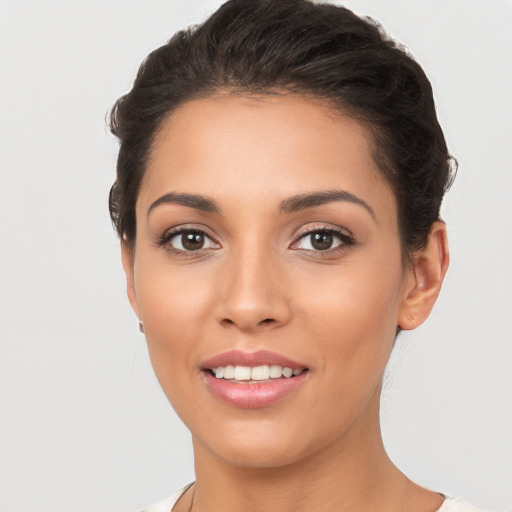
x=248 y=374
x=250 y=380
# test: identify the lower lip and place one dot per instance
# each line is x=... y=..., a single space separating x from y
x=253 y=395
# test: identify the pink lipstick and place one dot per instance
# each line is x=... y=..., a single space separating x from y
x=252 y=379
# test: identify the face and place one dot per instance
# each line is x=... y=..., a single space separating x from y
x=267 y=240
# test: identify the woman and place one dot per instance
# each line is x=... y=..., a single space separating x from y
x=279 y=182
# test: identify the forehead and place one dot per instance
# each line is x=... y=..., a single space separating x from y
x=261 y=146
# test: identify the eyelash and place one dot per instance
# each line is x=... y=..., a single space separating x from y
x=345 y=240
x=165 y=241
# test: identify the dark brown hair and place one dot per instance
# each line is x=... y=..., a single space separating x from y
x=320 y=51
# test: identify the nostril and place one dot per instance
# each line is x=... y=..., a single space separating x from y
x=267 y=321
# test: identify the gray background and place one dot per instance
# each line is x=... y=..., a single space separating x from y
x=84 y=425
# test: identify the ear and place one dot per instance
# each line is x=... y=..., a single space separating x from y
x=127 y=259
x=427 y=275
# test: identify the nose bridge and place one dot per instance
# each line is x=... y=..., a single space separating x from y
x=253 y=296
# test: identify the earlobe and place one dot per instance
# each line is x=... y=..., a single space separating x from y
x=429 y=268
x=127 y=260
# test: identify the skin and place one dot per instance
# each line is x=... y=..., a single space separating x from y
x=258 y=283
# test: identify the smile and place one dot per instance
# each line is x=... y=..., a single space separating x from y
x=250 y=380
x=255 y=373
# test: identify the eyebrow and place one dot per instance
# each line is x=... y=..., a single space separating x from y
x=196 y=201
x=304 y=201
x=290 y=205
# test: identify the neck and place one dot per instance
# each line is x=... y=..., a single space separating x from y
x=351 y=473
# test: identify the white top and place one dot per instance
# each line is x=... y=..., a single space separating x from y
x=449 y=504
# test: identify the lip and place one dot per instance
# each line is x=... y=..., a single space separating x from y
x=258 y=358
x=252 y=395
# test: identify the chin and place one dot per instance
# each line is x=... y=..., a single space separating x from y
x=259 y=455
x=264 y=444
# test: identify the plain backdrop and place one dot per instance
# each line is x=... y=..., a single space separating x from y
x=84 y=425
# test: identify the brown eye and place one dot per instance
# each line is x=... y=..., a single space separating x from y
x=321 y=241
x=192 y=241
x=189 y=240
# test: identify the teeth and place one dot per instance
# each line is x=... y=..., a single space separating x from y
x=276 y=371
x=229 y=372
x=254 y=373
x=242 y=373
x=287 y=372
x=260 y=373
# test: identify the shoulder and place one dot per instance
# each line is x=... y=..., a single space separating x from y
x=457 y=505
x=169 y=502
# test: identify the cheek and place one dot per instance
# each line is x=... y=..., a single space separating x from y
x=171 y=298
x=174 y=306
x=353 y=312
x=351 y=320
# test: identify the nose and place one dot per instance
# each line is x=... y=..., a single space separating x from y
x=253 y=294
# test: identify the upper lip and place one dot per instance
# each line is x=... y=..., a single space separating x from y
x=258 y=358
